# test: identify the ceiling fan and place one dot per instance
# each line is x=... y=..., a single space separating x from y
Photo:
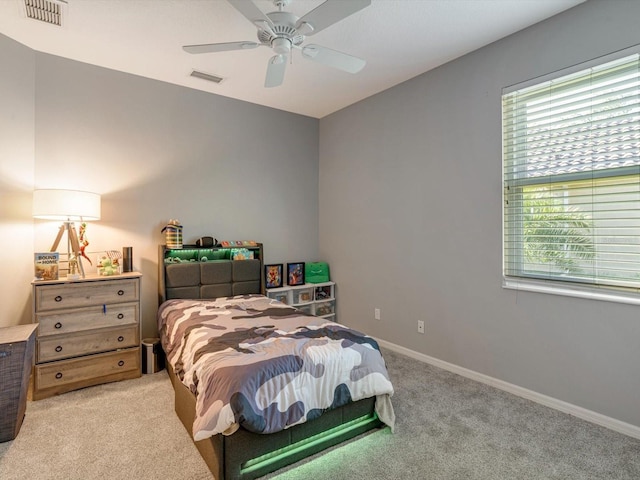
x=282 y=31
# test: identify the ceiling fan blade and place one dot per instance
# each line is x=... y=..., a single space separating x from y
x=275 y=71
x=252 y=13
x=333 y=58
x=328 y=13
x=220 y=47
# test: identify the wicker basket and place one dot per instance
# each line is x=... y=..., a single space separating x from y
x=16 y=359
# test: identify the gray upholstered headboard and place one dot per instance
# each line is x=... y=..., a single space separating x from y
x=218 y=278
x=194 y=276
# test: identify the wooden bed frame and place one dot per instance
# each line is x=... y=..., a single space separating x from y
x=246 y=455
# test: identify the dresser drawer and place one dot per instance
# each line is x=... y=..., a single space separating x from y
x=88 y=318
x=82 y=294
x=88 y=369
x=57 y=347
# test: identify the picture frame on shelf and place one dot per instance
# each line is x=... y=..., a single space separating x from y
x=295 y=273
x=273 y=275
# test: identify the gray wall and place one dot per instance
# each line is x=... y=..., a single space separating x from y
x=155 y=152
x=410 y=221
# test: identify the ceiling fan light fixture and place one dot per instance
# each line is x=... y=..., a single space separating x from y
x=281 y=45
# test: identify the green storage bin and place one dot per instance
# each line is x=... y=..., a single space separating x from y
x=316 y=272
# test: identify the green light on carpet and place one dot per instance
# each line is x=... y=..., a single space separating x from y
x=277 y=455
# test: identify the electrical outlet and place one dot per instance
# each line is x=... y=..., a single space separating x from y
x=376 y=313
x=420 y=326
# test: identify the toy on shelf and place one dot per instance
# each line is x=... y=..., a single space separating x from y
x=109 y=263
x=83 y=241
x=173 y=234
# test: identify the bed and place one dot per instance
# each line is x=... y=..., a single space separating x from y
x=298 y=383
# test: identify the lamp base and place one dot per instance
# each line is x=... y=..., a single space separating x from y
x=75 y=262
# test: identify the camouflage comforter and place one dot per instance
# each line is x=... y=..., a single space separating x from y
x=259 y=363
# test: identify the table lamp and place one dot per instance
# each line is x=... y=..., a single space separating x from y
x=68 y=206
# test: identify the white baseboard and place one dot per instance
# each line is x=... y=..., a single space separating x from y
x=583 y=413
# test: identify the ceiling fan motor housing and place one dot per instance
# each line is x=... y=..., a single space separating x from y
x=283 y=34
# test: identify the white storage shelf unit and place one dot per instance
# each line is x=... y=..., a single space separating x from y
x=314 y=298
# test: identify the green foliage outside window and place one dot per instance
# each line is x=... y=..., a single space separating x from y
x=555 y=235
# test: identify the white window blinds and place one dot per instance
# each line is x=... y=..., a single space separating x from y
x=571 y=158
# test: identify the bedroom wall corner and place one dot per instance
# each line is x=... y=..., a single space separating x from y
x=419 y=167
x=17 y=160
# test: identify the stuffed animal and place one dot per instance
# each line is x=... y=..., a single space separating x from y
x=106 y=266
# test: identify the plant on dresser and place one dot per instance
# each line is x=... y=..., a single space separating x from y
x=88 y=332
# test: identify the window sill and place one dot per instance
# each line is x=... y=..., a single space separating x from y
x=552 y=288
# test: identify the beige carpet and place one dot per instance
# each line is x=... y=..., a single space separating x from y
x=124 y=430
x=448 y=428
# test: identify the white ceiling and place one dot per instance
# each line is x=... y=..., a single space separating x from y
x=399 y=39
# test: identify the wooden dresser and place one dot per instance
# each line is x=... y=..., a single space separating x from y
x=88 y=333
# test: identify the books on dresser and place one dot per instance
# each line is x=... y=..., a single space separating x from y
x=46 y=265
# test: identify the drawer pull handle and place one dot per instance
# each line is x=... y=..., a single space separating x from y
x=58 y=375
x=120 y=316
x=58 y=298
x=58 y=325
x=121 y=338
x=58 y=349
x=121 y=363
x=120 y=292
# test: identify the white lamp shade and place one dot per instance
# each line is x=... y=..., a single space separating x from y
x=71 y=205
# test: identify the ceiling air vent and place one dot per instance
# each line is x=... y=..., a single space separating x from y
x=48 y=11
x=207 y=76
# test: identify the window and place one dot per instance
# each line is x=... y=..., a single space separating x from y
x=571 y=177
